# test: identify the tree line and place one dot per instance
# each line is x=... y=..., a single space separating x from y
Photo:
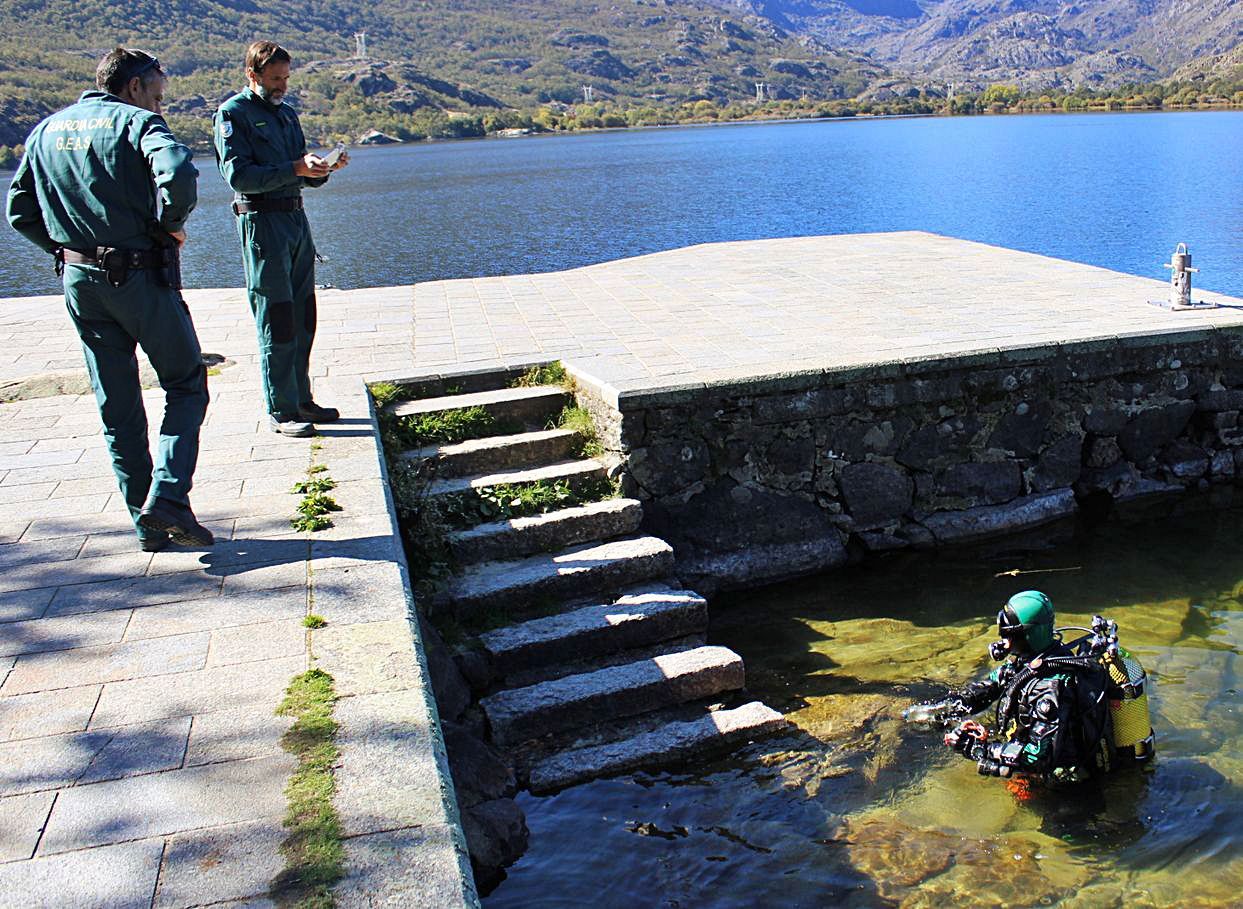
x=346 y=113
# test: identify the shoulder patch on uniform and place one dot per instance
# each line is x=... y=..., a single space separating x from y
x=226 y=128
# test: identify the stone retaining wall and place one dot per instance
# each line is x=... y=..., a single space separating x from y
x=775 y=476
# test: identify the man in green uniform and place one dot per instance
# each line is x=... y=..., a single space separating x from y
x=106 y=189
x=262 y=155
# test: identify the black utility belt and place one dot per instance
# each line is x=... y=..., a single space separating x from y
x=242 y=206
x=118 y=263
x=106 y=257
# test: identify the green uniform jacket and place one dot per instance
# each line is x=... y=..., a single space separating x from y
x=257 y=144
x=112 y=151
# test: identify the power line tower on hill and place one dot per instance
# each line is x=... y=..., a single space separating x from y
x=589 y=94
x=360 y=46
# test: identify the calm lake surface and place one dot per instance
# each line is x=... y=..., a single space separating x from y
x=855 y=808
x=1116 y=190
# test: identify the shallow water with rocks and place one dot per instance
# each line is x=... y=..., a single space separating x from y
x=855 y=808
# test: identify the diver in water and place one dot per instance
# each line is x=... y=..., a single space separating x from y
x=1057 y=704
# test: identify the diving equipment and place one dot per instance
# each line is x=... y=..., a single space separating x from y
x=936 y=713
x=1025 y=624
x=1127 y=689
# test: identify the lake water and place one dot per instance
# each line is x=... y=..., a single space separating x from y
x=1116 y=190
x=854 y=808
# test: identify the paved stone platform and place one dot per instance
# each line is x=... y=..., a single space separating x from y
x=139 y=755
x=729 y=311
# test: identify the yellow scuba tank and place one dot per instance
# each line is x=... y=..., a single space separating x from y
x=1128 y=704
x=1126 y=689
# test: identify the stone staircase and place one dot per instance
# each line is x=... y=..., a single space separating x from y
x=596 y=659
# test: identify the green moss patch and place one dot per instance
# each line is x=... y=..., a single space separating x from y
x=314 y=856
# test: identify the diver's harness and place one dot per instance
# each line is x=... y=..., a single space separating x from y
x=1127 y=734
x=1131 y=735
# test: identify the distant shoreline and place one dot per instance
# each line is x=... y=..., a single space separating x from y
x=757 y=121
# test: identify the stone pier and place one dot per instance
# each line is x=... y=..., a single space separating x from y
x=775 y=404
x=782 y=406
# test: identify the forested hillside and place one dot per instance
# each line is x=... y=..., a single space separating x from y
x=425 y=59
x=443 y=69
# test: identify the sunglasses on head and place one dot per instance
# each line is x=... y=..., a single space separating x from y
x=153 y=63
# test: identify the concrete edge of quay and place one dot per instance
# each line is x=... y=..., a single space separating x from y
x=405 y=843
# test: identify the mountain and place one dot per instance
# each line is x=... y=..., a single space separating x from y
x=424 y=57
x=463 y=67
x=1034 y=43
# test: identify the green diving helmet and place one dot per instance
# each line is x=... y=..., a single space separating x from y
x=1025 y=624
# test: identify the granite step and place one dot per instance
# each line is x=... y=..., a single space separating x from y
x=518 y=537
x=559 y=670
x=716 y=730
x=632 y=621
x=591 y=698
x=573 y=472
x=526 y=406
x=497 y=452
x=518 y=584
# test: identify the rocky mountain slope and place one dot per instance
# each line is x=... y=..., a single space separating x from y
x=430 y=60
x=433 y=55
x=1036 y=43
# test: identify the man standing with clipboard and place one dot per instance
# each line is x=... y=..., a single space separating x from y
x=262 y=155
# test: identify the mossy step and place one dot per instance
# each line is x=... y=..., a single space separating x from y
x=607 y=694
x=536 y=405
x=571 y=471
x=497 y=452
x=631 y=621
x=716 y=730
x=582 y=571
x=518 y=537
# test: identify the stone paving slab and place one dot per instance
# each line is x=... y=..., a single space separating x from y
x=110 y=663
x=164 y=803
x=63 y=634
x=45 y=713
x=22 y=818
x=55 y=762
x=259 y=685
x=220 y=864
x=113 y=877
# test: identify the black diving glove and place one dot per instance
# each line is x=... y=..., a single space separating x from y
x=968 y=739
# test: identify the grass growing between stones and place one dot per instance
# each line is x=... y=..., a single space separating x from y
x=446 y=427
x=578 y=420
x=548 y=374
x=314 y=484
x=385 y=393
x=314 y=856
x=316 y=504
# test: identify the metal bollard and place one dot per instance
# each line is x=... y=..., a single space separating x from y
x=1180 y=277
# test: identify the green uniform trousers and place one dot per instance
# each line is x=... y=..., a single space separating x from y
x=279 y=257
x=112 y=321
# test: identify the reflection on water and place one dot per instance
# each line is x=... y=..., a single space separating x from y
x=856 y=809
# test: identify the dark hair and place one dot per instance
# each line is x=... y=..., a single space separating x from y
x=261 y=53
x=120 y=65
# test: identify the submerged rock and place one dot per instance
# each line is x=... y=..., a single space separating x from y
x=496 y=837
